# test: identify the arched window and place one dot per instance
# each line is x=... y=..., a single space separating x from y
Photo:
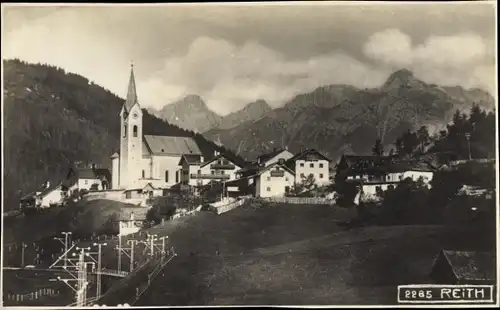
x=125 y=131
x=166 y=176
x=143 y=174
x=135 y=131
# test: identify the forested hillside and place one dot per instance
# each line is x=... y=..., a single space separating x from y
x=53 y=118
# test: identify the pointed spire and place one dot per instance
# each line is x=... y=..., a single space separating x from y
x=132 y=92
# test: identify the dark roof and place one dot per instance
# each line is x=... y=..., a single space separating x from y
x=268 y=156
x=276 y=164
x=365 y=159
x=90 y=173
x=191 y=159
x=471 y=265
x=290 y=163
x=226 y=156
x=43 y=190
x=171 y=145
x=248 y=168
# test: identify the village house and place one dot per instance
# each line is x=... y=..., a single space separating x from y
x=273 y=157
x=379 y=173
x=310 y=162
x=274 y=180
x=145 y=159
x=90 y=179
x=197 y=172
x=44 y=197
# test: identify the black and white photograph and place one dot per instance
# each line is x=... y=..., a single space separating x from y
x=309 y=153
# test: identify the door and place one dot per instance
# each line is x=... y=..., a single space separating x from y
x=128 y=195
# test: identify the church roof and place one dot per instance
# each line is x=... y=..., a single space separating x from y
x=171 y=145
x=131 y=93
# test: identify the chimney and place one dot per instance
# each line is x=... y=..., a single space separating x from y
x=93 y=166
x=202 y=159
x=47 y=185
x=274 y=149
x=286 y=147
x=216 y=152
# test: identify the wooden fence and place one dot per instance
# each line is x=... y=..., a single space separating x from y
x=301 y=200
x=33 y=295
x=229 y=206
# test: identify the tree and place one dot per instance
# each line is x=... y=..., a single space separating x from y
x=423 y=138
x=378 y=149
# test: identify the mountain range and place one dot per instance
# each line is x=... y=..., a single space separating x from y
x=192 y=113
x=53 y=119
x=338 y=119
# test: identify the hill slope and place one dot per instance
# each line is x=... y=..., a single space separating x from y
x=339 y=119
x=53 y=118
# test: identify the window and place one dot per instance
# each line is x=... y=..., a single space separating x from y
x=321 y=175
x=302 y=164
x=86 y=182
x=125 y=131
x=199 y=171
x=177 y=177
x=286 y=179
x=311 y=165
x=400 y=177
x=268 y=189
x=213 y=172
x=166 y=176
x=135 y=131
x=143 y=174
x=269 y=178
x=321 y=165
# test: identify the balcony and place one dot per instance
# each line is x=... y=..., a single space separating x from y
x=209 y=176
x=223 y=166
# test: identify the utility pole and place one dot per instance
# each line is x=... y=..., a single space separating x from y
x=99 y=267
x=132 y=246
x=67 y=235
x=467 y=136
x=132 y=243
x=120 y=253
x=23 y=246
x=81 y=290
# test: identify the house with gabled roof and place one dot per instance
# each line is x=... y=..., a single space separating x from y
x=310 y=162
x=274 y=180
x=44 y=197
x=199 y=172
x=272 y=157
x=88 y=178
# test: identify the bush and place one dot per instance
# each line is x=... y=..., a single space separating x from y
x=153 y=216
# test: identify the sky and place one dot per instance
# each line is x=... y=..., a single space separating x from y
x=234 y=54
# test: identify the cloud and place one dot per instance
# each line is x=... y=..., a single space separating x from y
x=178 y=58
x=228 y=76
x=463 y=59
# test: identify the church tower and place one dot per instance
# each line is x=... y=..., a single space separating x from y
x=130 y=138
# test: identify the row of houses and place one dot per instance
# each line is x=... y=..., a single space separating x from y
x=90 y=178
x=272 y=174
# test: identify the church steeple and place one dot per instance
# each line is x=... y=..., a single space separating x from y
x=132 y=92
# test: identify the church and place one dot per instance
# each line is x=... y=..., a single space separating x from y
x=146 y=159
